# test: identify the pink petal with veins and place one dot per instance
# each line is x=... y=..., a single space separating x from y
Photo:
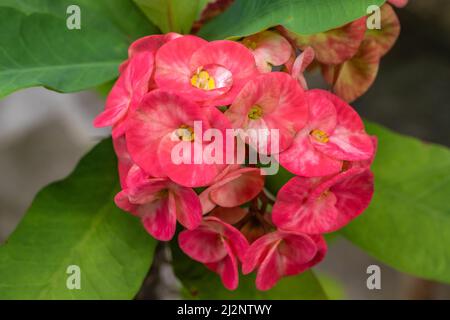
x=322 y=205
x=279 y=254
x=269 y=48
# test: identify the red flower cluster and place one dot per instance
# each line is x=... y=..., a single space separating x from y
x=170 y=83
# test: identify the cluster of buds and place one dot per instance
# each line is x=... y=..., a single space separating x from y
x=172 y=82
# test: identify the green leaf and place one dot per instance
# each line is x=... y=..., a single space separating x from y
x=246 y=17
x=113 y=16
x=407 y=225
x=37 y=48
x=333 y=287
x=172 y=15
x=75 y=222
x=201 y=283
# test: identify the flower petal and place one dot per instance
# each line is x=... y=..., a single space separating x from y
x=227 y=269
x=158 y=115
x=299 y=209
x=300 y=64
x=385 y=37
x=269 y=48
x=303 y=159
x=399 y=3
x=234 y=57
x=354 y=192
x=189 y=209
x=295 y=252
x=282 y=106
x=334 y=46
x=229 y=215
x=159 y=218
x=354 y=77
x=127 y=92
x=246 y=185
x=258 y=251
x=122 y=201
x=196 y=167
x=349 y=141
x=151 y=43
x=202 y=244
x=173 y=70
x=316 y=206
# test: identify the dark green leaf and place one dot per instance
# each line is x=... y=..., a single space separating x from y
x=246 y=17
x=75 y=222
x=37 y=48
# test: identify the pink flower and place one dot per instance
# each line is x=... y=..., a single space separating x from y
x=218 y=245
x=163 y=123
x=398 y=3
x=151 y=43
x=280 y=254
x=300 y=64
x=322 y=205
x=269 y=48
x=334 y=133
x=133 y=83
x=365 y=164
x=270 y=101
x=233 y=187
x=159 y=203
x=127 y=93
x=211 y=73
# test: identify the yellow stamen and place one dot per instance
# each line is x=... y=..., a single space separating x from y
x=186 y=133
x=203 y=80
x=320 y=135
x=255 y=113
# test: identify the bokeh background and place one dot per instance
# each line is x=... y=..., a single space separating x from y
x=43 y=134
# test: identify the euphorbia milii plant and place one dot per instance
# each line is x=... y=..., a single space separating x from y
x=174 y=82
x=240 y=149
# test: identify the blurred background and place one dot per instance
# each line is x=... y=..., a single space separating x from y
x=43 y=134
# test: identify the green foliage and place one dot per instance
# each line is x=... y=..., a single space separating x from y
x=200 y=283
x=37 y=48
x=172 y=15
x=246 y=17
x=407 y=224
x=75 y=222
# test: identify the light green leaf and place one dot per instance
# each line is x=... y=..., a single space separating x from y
x=37 y=48
x=246 y=17
x=201 y=283
x=172 y=15
x=75 y=222
x=333 y=287
x=407 y=225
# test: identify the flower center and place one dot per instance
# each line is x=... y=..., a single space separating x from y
x=185 y=133
x=320 y=135
x=163 y=194
x=255 y=113
x=203 y=80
